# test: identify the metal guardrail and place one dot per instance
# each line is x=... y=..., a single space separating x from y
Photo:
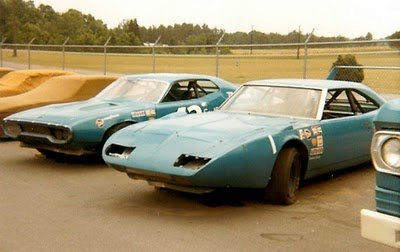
x=62 y=48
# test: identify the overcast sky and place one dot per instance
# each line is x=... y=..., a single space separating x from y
x=350 y=18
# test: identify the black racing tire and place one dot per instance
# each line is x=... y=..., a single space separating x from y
x=110 y=132
x=52 y=154
x=114 y=129
x=285 y=179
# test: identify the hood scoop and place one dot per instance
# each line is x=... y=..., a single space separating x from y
x=99 y=106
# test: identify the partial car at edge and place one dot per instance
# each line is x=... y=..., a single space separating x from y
x=383 y=225
x=60 y=89
x=270 y=134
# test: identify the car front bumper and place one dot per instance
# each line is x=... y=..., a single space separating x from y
x=380 y=227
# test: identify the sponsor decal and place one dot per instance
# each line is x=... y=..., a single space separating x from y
x=316 y=151
x=316 y=130
x=314 y=135
x=138 y=113
x=305 y=134
x=100 y=123
x=150 y=113
x=314 y=142
x=320 y=141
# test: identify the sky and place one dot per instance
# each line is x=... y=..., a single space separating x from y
x=349 y=18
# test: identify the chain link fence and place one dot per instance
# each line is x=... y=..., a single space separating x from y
x=236 y=63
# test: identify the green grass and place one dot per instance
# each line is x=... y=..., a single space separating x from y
x=238 y=67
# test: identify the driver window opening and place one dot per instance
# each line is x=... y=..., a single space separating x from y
x=345 y=102
x=190 y=89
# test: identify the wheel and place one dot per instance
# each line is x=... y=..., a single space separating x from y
x=114 y=129
x=109 y=133
x=285 y=178
x=52 y=154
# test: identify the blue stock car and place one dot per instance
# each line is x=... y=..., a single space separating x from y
x=269 y=134
x=383 y=225
x=82 y=127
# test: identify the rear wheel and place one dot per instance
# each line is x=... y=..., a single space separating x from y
x=285 y=178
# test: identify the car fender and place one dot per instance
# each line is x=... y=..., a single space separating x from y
x=257 y=157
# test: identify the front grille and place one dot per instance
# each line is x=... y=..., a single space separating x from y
x=49 y=133
x=36 y=129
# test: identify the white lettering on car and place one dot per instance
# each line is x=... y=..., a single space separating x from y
x=190 y=109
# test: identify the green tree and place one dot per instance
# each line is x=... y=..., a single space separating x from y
x=395 y=35
x=348 y=74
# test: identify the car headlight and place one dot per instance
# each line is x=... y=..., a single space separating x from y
x=12 y=129
x=385 y=151
x=391 y=152
x=61 y=134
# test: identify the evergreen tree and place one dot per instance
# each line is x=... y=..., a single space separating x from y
x=348 y=74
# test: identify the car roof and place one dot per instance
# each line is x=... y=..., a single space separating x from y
x=310 y=83
x=170 y=77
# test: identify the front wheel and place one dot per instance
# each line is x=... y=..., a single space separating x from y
x=52 y=154
x=285 y=178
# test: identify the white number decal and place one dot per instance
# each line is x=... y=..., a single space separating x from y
x=190 y=109
x=181 y=109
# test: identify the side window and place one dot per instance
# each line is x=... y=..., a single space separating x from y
x=346 y=102
x=175 y=92
x=190 y=89
x=206 y=87
x=337 y=105
x=364 y=103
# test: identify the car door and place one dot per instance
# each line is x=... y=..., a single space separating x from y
x=347 y=129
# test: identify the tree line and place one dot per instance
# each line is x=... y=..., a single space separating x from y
x=20 y=21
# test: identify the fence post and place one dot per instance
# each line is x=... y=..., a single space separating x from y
x=154 y=53
x=29 y=53
x=1 y=51
x=306 y=54
x=217 y=55
x=105 y=55
x=63 y=53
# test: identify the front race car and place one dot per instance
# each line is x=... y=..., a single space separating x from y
x=196 y=153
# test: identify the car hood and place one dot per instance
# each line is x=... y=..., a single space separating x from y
x=197 y=134
x=68 y=113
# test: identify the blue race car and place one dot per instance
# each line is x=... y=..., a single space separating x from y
x=270 y=134
x=83 y=127
x=383 y=225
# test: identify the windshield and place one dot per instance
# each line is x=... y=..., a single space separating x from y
x=135 y=89
x=274 y=100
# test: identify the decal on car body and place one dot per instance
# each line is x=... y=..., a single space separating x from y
x=100 y=122
x=138 y=113
x=191 y=109
x=314 y=135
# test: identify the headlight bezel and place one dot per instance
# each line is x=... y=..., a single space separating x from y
x=12 y=129
x=379 y=140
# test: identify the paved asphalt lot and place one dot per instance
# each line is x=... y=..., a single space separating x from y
x=84 y=205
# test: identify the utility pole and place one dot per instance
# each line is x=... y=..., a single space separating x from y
x=306 y=54
x=251 y=39
x=217 y=54
x=14 y=26
x=298 y=41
